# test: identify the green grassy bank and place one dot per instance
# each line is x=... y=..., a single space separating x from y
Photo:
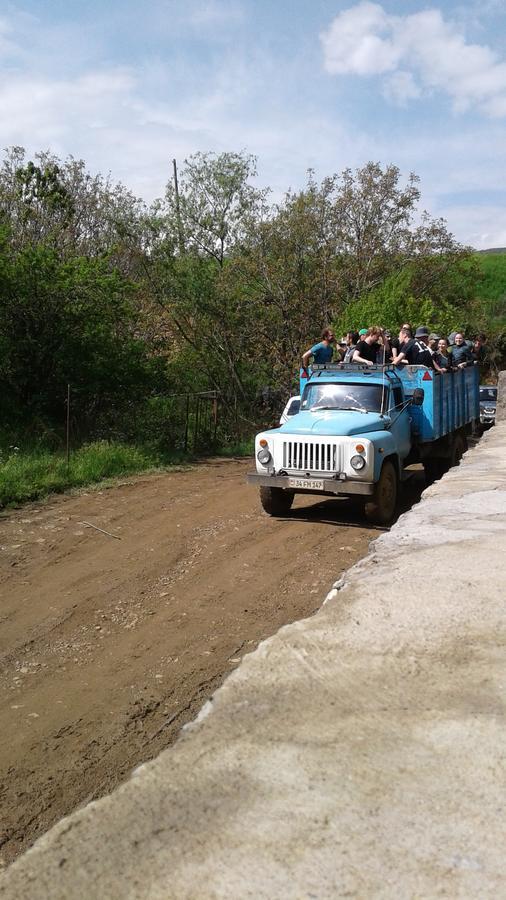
x=32 y=475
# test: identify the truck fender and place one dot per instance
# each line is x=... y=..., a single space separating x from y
x=384 y=448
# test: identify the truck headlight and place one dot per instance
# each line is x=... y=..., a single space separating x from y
x=264 y=456
x=358 y=462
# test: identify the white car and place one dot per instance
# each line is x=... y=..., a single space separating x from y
x=291 y=409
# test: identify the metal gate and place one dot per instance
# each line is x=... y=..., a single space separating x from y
x=201 y=420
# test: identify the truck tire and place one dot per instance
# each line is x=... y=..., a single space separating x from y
x=276 y=501
x=380 y=510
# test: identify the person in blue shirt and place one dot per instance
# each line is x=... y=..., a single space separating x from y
x=322 y=352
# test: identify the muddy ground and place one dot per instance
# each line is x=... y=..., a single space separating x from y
x=108 y=645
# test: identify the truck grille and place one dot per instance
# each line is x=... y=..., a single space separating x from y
x=308 y=457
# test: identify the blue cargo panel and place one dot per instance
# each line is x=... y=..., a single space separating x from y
x=451 y=400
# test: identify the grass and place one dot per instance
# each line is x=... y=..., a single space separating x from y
x=31 y=475
x=240 y=448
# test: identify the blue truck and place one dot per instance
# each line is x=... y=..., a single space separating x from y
x=359 y=429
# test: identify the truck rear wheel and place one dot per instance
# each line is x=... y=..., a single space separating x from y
x=276 y=501
x=380 y=510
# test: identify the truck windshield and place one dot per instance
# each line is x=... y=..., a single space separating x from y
x=361 y=397
x=488 y=393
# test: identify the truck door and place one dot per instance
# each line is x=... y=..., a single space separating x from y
x=401 y=426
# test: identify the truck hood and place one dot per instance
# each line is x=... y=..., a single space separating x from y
x=334 y=422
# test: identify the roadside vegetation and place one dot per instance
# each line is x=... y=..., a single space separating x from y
x=33 y=475
x=177 y=329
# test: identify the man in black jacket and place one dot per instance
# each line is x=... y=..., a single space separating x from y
x=461 y=352
x=415 y=351
x=424 y=355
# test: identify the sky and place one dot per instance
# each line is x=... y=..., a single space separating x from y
x=320 y=84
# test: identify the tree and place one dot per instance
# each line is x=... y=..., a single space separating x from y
x=67 y=321
x=323 y=248
x=189 y=268
x=289 y=277
x=59 y=204
x=215 y=203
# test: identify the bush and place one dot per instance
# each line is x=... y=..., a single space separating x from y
x=32 y=475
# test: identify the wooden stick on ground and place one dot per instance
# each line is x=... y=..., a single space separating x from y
x=100 y=529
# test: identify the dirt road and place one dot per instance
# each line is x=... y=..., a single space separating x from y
x=110 y=644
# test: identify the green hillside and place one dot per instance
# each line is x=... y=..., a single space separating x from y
x=492 y=287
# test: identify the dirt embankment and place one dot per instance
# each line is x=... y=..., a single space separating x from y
x=110 y=644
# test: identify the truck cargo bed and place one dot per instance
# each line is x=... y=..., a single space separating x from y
x=451 y=400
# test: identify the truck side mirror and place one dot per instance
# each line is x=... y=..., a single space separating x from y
x=418 y=395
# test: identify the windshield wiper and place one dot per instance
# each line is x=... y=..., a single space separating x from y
x=340 y=408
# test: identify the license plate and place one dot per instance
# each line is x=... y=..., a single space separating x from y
x=311 y=484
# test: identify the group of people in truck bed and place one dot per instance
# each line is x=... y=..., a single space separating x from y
x=375 y=345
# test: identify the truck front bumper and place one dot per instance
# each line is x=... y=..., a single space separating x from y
x=331 y=486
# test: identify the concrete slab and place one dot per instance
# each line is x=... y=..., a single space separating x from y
x=501 y=398
x=359 y=753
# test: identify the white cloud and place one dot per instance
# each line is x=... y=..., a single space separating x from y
x=356 y=42
x=461 y=172
x=55 y=111
x=422 y=51
x=400 y=86
x=133 y=120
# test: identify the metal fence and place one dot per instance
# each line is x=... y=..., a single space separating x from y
x=201 y=420
x=186 y=421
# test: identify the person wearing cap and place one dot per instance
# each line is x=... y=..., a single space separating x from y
x=425 y=356
x=322 y=352
x=440 y=362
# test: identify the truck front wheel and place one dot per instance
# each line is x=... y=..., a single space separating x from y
x=276 y=501
x=380 y=510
